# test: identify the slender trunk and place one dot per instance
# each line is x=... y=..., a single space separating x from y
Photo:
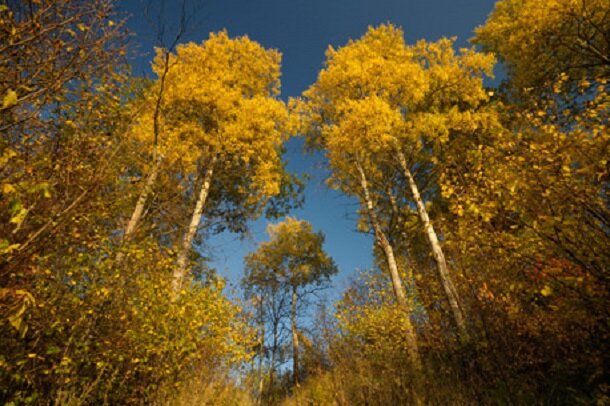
x=273 y=356
x=295 y=339
x=157 y=158
x=261 y=353
x=437 y=251
x=139 y=209
x=192 y=230
x=382 y=240
x=397 y=285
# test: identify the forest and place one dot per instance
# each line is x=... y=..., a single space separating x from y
x=486 y=204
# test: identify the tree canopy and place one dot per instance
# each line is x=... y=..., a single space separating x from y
x=488 y=208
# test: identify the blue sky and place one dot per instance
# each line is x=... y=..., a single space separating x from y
x=302 y=30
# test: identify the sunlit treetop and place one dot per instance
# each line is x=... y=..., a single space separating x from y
x=454 y=78
x=378 y=95
x=238 y=66
x=428 y=77
x=210 y=89
x=220 y=99
x=293 y=255
x=541 y=40
x=378 y=64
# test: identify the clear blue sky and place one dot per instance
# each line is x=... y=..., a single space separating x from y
x=302 y=30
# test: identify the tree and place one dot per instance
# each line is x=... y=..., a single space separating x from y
x=532 y=194
x=271 y=302
x=292 y=260
x=76 y=329
x=540 y=42
x=59 y=115
x=222 y=121
x=374 y=124
x=338 y=119
x=155 y=98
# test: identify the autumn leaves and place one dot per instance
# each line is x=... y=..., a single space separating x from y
x=222 y=122
x=376 y=101
x=381 y=110
x=384 y=112
x=488 y=208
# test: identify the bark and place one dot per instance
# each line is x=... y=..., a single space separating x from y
x=139 y=209
x=437 y=251
x=388 y=251
x=157 y=158
x=261 y=353
x=273 y=356
x=187 y=242
x=295 y=339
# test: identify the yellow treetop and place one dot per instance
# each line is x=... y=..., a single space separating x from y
x=378 y=96
x=542 y=40
x=220 y=99
x=293 y=256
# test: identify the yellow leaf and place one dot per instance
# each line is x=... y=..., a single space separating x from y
x=19 y=216
x=8 y=188
x=10 y=99
x=546 y=291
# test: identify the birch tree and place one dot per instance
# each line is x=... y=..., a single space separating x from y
x=225 y=126
x=541 y=42
x=292 y=260
x=381 y=104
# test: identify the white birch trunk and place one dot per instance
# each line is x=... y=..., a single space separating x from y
x=273 y=356
x=295 y=339
x=437 y=251
x=139 y=209
x=187 y=242
x=397 y=285
x=261 y=353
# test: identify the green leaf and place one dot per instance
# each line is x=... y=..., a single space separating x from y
x=53 y=350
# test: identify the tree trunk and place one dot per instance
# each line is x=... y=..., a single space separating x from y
x=273 y=357
x=437 y=251
x=261 y=353
x=192 y=230
x=295 y=339
x=397 y=285
x=157 y=158
x=139 y=209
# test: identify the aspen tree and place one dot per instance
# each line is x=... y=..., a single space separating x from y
x=380 y=103
x=291 y=260
x=223 y=122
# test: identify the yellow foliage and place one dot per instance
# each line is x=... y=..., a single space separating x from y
x=542 y=40
x=219 y=98
x=293 y=256
x=378 y=97
x=10 y=99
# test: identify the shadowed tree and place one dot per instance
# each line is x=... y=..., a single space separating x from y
x=294 y=261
